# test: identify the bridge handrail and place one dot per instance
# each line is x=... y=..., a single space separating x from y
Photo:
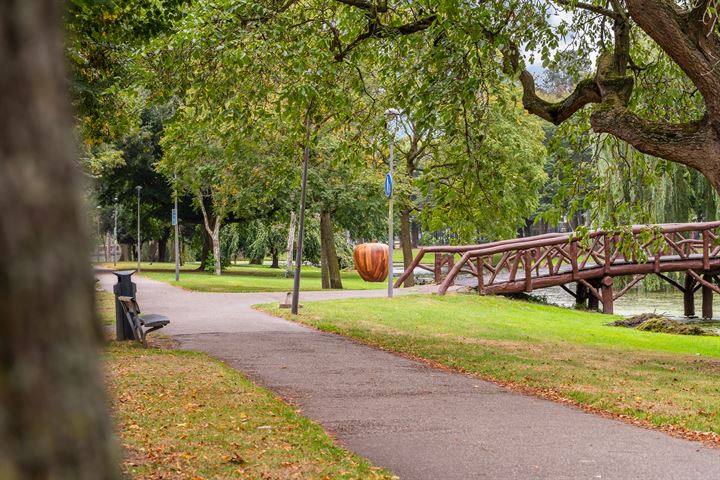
x=532 y=242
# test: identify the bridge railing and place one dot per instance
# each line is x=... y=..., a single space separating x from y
x=536 y=262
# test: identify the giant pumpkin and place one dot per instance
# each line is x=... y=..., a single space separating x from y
x=371 y=261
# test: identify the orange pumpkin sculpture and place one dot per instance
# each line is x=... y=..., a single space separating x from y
x=371 y=261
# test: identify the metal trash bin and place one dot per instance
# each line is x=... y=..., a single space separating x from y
x=123 y=288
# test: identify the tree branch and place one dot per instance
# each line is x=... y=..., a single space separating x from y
x=589 y=7
x=376 y=30
x=585 y=92
x=685 y=143
x=366 y=5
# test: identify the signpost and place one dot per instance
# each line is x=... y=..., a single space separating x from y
x=391 y=115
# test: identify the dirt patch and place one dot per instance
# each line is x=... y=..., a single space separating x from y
x=650 y=322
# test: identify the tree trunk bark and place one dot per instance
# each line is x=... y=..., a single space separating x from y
x=406 y=243
x=206 y=249
x=290 y=244
x=216 y=247
x=163 y=246
x=275 y=259
x=330 y=266
x=54 y=420
x=415 y=232
x=214 y=232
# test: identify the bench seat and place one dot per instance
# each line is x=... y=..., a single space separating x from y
x=141 y=324
x=153 y=320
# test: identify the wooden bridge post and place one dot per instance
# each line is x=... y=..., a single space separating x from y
x=480 y=275
x=581 y=295
x=450 y=260
x=707 y=298
x=689 y=296
x=607 y=295
x=593 y=301
x=438 y=267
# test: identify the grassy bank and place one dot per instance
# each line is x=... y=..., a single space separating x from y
x=244 y=278
x=105 y=307
x=665 y=380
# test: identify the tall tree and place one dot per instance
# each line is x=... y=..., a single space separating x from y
x=54 y=421
x=656 y=84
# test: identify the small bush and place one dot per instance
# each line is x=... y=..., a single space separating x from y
x=209 y=265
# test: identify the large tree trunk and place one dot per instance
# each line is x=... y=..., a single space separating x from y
x=415 y=233
x=54 y=420
x=163 y=246
x=206 y=249
x=290 y=244
x=330 y=266
x=216 y=247
x=406 y=243
x=275 y=259
x=213 y=229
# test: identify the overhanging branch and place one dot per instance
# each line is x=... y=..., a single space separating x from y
x=375 y=29
x=685 y=143
x=585 y=92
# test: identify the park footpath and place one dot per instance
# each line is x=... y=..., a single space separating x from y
x=417 y=421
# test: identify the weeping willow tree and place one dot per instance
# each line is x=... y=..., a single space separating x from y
x=610 y=184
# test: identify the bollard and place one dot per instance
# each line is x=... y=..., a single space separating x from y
x=123 y=288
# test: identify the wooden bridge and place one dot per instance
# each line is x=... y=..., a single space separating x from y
x=590 y=261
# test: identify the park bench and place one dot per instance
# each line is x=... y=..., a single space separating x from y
x=141 y=324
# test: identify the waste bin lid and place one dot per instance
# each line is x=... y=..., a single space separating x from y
x=124 y=273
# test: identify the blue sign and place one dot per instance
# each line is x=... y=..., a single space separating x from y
x=174 y=217
x=388 y=185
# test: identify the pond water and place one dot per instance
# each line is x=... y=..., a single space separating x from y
x=667 y=302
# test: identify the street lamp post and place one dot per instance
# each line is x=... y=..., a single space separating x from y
x=115 y=246
x=295 y=303
x=391 y=115
x=138 y=188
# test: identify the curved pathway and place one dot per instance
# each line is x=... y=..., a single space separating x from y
x=419 y=422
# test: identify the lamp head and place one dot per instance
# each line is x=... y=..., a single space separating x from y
x=391 y=114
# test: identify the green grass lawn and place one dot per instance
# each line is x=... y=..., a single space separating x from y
x=666 y=380
x=105 y=307
x=245 y=278
x=185 y=415
x=398 y=255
